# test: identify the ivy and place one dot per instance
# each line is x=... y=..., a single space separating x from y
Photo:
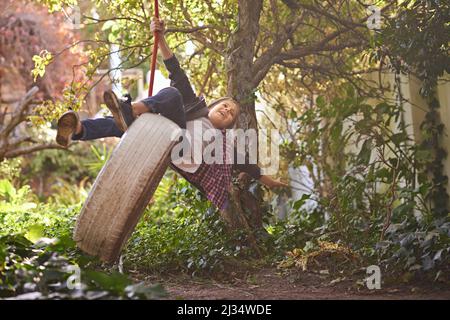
x=415 y=41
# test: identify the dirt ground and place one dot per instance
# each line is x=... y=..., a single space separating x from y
x=270 y=283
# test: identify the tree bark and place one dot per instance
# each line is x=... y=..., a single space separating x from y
x=240 y=53
x=239 y=61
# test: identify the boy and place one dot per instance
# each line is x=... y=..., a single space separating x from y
x=179 y=104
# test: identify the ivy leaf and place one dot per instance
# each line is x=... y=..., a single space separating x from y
x=299 y=203
x=404 y=208
x=365 y=153
x=427 y=263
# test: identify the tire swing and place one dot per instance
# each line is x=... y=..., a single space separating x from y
x=127 y=181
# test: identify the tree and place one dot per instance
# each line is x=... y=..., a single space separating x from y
x=238 y=43
x=240 y=46
x=25 y=31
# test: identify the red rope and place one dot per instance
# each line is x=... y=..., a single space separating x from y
x=154 y=54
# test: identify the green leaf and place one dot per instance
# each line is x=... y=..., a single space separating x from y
x=6 y=188
x=35 y=232
x=404 y=208
x=115 y=282
x=438 y=255
x=365 y=153
x=384 y=174
x=112 y=37
x=320 y=101
x=336 y=132
x=297 y=204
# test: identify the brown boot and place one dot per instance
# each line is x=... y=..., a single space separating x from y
x=67 y=126
x=120 y=109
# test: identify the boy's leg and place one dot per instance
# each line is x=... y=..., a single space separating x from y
x=67 y=125
x=121 y=109
x=169 y=103
x=98 y=128
x=71 y=128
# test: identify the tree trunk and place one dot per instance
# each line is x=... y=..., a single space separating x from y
x=244 y=212
x=239 y=61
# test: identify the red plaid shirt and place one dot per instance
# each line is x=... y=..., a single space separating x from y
x=214 y=179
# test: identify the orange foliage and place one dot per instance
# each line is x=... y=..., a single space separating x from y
x=25 y=30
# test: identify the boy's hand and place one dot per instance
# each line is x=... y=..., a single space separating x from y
x=158 y=26
x=138 y=109
x=278 y=184
x=272 y=183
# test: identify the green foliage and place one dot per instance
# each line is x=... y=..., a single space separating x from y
x=297 y=231
x=51 y=110
x=40 y=270
x=417 y=245
x=181 y=232
x=10 y=169
x=368 y=181
x=63 y=172
x=40 y=62
x=37 y=254
x=101 y=156
x=415 y=41
x=21 y=212
x=57 y=5
x=14 y=200
x=432 y=132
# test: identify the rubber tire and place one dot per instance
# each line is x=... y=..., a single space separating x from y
x=125 y=186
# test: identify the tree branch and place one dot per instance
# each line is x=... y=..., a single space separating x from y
x=18 y=141
x=31 y=149
x=275 y=55
x=266 y=60
x=301 y=52
x=19 y=114
x=189 y=30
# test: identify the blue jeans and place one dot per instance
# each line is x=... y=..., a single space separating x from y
x=168 y=102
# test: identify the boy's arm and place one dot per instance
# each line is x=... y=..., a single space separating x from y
x=179 y=80
x=272 y=183
x=177 y=76
x=254 y=171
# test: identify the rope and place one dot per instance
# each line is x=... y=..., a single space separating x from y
x=154 y=54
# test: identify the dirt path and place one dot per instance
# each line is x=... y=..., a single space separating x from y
x=270 y=284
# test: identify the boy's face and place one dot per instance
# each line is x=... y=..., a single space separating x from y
x=223 y=114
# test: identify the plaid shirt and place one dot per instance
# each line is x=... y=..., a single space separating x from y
x=214 y=179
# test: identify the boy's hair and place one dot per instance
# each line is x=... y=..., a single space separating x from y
x=215 y=102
